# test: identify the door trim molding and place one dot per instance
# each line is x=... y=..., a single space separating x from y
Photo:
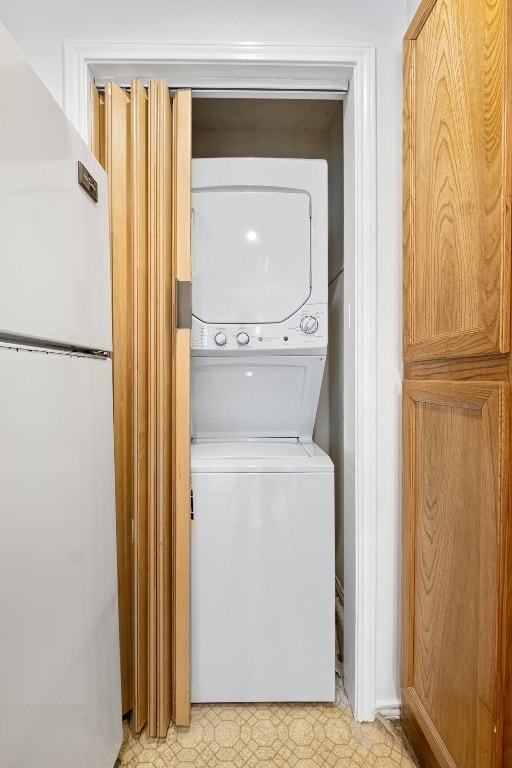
x=305 y=68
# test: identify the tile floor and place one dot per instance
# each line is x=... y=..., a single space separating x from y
x=268 y=736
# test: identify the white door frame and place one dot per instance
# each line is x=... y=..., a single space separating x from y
x=290 y=68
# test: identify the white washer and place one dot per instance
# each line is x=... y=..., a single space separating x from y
x=263 y=533
x=262 y=589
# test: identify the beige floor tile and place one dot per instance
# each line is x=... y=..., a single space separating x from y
x=268 y=736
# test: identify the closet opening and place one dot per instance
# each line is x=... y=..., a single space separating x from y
x=242 y=71
x=260 y=125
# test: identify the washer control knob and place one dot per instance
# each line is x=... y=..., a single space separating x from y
x=220 y=339
x=243 y=338
x=309 y=324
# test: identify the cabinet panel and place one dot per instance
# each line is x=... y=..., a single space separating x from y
x=457 y=182
x=455 y=486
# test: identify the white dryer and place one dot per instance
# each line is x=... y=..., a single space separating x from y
x=262 y=567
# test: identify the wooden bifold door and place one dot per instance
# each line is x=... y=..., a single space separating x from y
x=456 y=585
x=142 y=136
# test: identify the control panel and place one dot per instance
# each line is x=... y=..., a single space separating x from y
x=305 y=331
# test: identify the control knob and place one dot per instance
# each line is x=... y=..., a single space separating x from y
x=220 y=339
x=243 y=338
x=309 y=324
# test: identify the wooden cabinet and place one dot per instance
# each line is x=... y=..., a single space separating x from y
x=457 y=182
x=456 y=678
x=455 y=450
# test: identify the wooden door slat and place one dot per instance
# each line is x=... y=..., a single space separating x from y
x=117 y=164
x=182 y=151
x=161 y=221
x=142 y=473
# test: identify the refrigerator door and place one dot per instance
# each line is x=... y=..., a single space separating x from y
x=59 y=663
x=54 y=240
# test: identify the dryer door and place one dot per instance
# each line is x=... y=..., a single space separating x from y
x=251 y=253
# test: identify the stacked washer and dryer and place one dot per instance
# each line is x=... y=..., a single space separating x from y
x=262 y=569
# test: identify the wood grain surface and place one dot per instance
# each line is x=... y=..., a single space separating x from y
x=456 y=183
x=455 y=509
x=457 y=566
x=181 y=184
x=142 y=476
x=160 y=170
x=494 y=368
x=146 y=147
x=117 y=165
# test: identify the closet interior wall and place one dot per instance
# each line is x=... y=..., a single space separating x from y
x=294 y=128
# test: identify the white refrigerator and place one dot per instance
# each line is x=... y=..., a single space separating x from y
x=60 y=702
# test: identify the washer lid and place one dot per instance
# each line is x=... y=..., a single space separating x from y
x=248 y=449
x=255 y=397
x=212 y=456
x=251 y=253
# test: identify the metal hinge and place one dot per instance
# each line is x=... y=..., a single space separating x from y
x=191 y=504
x=183 y=304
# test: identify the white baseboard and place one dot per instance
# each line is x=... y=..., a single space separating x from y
x=390 y=708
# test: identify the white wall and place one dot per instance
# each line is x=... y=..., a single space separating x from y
x=335 y=353
x=334 y=382
x=412 y=7
x=40 y=29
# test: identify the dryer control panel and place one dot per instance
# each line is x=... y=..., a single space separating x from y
x=304 y=332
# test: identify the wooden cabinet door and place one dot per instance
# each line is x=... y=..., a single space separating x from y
x=457 y=180
x=455 y=486
x=456 y=677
